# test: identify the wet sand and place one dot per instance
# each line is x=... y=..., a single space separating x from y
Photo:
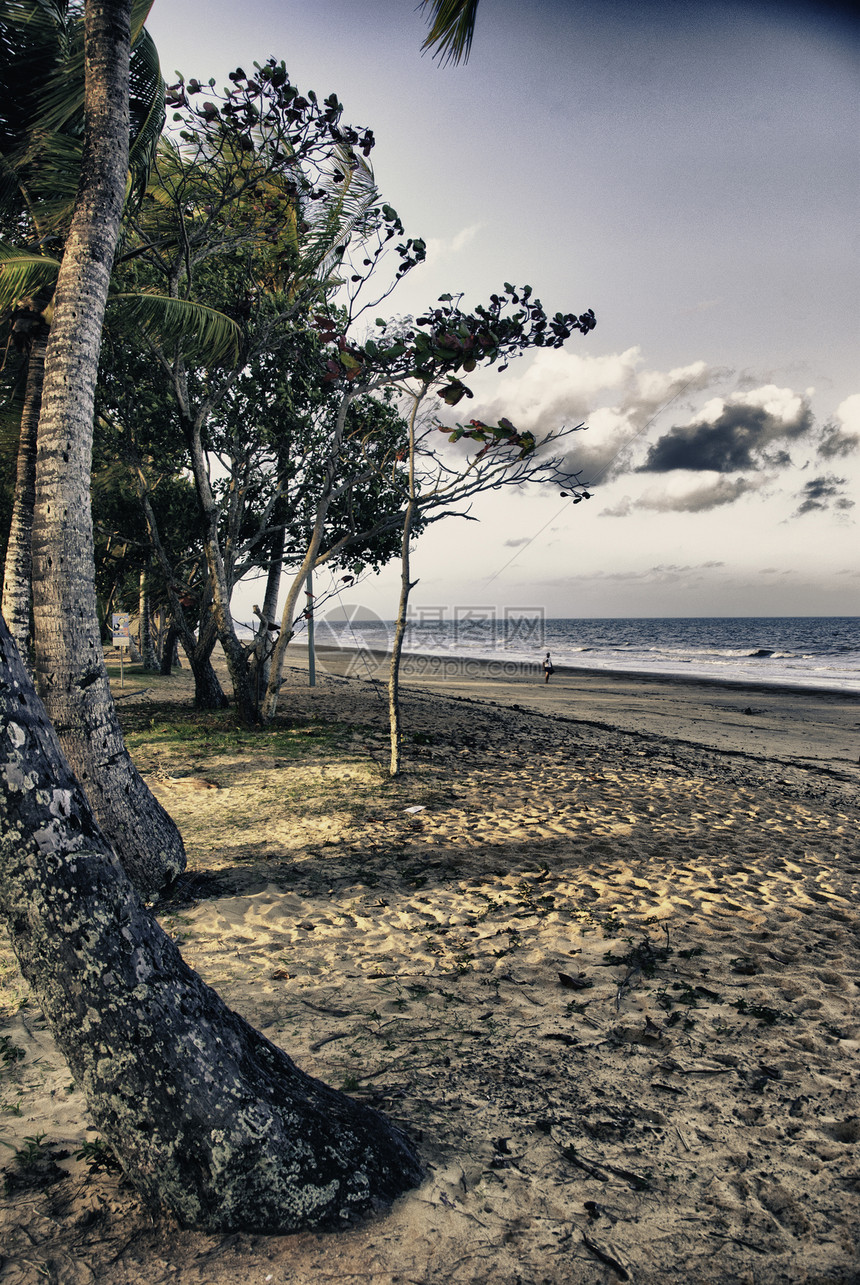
x=790 y=726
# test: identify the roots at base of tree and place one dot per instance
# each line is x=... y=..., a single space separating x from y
x=209 y=1119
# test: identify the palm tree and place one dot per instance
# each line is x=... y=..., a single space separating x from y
x=41 y=166
x=44 y=144
x=41 y=130
x=208 y=1117
x=452 y=26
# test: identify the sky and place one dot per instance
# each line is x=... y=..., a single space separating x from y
x=691 y=172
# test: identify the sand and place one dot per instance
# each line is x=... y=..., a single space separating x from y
x=597 y=953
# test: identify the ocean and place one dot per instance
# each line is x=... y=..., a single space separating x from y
x=813 y=652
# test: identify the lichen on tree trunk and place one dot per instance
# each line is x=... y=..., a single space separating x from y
x=18 y=568
x=70 y=667
x=208 y=1118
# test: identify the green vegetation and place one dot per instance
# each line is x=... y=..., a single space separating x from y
x=218 y=733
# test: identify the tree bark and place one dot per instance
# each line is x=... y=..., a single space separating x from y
x=261 y=657
x=406 y=587
x=208 y=692
x=220 y=581
x=147 y=647
x=208 y=1118
x=70 y=667
x=169 y=653
x=18 y=569
x=270 y=700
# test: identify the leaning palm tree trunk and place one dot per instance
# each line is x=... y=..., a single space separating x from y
x=70 y=666
x=18 y=570
x=208 y=1118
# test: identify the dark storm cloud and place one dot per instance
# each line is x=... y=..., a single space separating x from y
x=699 y=500
x=822 y=493
x=835 y=442
x=737 y=440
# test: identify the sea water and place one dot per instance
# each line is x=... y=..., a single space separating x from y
x=814 y=652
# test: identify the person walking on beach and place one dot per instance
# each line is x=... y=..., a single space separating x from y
x=547 y=668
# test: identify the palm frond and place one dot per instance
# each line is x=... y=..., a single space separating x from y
x=140 y=11
x=33 y=40
x=205 y=333
x=23 y=274
x=59 y=100
x=351 y=197
x=55 y=134
x=147 y=111
x=11 y=195
x=49 y=184
x=452 y=26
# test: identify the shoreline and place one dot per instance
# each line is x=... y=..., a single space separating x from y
x=533 y=672
x=794 y=726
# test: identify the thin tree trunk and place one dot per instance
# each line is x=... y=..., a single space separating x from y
x=208 y=692
x=234 y=652
x=207 y=1117
x=406 y=587
x=70 y=665
x=270 y=701
x=169 y=655
x=288 y=615
x=147 y=649
x=261 y=657
x=18 y=570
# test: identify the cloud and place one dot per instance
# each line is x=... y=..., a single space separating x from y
x=842 y=439
x=734 y=445
x=734 y=433
x=822 y=493
x=559 y=387
x=700 y=499
x=563 y=388
x=663 y=573
x=836 y=443
x=849 y=413
x=517 y=544
x=445 y=247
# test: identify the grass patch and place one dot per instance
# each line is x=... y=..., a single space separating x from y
x=216 y=732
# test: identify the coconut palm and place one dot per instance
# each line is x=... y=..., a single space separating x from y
x=41 y=131
x=44 y=143
x=208 y=1117
x=39 y=169
x=452 y=26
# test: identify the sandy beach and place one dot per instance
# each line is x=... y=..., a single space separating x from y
x=790 y=725
x=597 y=952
